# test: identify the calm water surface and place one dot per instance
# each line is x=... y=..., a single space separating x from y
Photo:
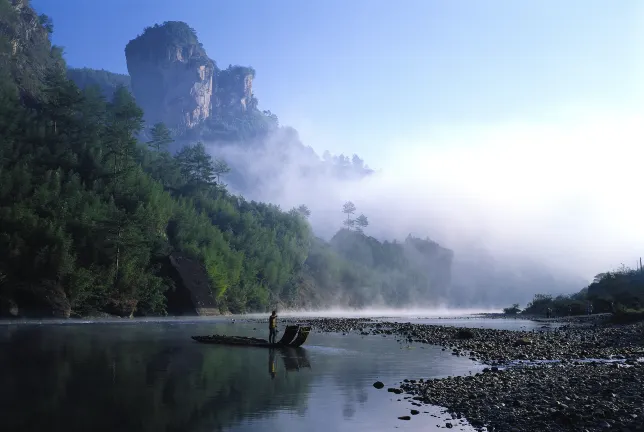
x=150 y=376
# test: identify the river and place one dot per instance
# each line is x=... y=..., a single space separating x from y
x=148 y=375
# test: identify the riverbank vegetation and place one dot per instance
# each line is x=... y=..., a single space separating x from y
x=620 y=292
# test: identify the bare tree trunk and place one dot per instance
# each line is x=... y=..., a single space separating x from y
x=118 y=255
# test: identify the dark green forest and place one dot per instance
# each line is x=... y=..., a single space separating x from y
x=106 y=81
x=90 y=213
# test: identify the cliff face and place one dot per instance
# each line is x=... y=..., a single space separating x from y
x=235 y=90
x=175 y=81
x=25 y=51
x=172 y=77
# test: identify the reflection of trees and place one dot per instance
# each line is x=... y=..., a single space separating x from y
x=63 y=378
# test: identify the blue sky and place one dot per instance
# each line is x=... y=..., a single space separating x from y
x=356 y=76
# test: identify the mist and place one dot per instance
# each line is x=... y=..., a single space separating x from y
x=562 y=193
x=338 y=312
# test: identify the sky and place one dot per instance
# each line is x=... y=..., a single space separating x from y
x=358 y=76
x=530 y=111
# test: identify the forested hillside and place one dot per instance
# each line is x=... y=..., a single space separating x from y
x=619 y=291
x=106 y=81
x=90 y=214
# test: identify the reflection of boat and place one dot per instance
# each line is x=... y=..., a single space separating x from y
x=294 y=336
x=294 y=359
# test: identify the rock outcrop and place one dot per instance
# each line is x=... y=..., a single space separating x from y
x=172 y=77
x=235 y=90
x=191 y=294
x=175 y=81
x=25 y=49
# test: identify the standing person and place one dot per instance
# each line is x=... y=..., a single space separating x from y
x=272 y=327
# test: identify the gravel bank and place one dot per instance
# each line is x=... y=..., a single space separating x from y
x=503 y=347
x=593 y=397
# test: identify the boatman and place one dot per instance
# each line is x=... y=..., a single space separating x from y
x=272 y=327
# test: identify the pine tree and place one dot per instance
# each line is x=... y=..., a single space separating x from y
x=161 y=138
x=362 y=222
x=349 y=208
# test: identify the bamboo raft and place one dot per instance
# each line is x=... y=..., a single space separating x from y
x=294 y=336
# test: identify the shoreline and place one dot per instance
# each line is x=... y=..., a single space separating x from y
x=571 y=394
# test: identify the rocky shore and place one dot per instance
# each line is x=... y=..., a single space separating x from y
x=503 y=347
x=593 y=397
x=520 y=391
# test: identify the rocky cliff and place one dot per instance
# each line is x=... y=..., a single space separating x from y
x=172 y=77
x=175 y=81
x=25 y=51
x=235 y=90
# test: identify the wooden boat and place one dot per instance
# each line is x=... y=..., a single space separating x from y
x=294 y=336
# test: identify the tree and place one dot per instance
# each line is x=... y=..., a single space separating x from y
x=46 y=22
x=196 y=165
x=513 y=310
x=362 y=222
x=349 y=208
x=220 y=167
x=349 y=223
x=304 y=211
x=124 y=121
x=161 y=137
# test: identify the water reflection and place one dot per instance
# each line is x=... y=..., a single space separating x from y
x=72 y=379
x=271 y=363
x=153 y=377
x=294 y=359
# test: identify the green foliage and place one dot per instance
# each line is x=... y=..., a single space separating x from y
x=107 y=82
x=614 y=291
x=513 y=310
x=561 y=305
x=627 y=316
x=303 y=211
x=153 y=43
x=46 y=22
x=161 y=138
x=349 y=209
x=26 y=60
x=361 y=223
x=623 y=287
x=394 y=273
